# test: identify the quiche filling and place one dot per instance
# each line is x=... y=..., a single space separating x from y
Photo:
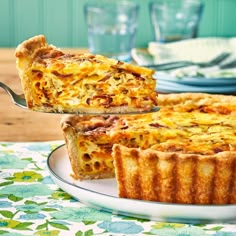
x=188 y=132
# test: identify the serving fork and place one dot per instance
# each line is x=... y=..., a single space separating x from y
x=19 y=100
x=179 y=64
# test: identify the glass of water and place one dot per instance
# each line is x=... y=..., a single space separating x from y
x=111 y=27
x=174 y=20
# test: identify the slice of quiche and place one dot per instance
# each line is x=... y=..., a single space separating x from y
x=54 y=81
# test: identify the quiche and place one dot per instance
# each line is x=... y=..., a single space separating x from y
x=184 y=153
x=54 y=81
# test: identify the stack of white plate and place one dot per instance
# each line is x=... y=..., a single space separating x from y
x=169 y=84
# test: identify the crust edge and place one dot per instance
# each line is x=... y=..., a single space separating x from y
x=175 y=178
x=29 y=46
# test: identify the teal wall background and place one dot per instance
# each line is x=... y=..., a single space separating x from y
x=62 y=21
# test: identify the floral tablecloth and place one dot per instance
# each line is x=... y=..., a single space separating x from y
x=31 y=204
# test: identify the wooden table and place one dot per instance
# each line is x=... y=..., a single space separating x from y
x=18 y=124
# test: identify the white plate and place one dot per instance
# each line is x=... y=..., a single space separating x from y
x=172 y=87
x=102 y=195
x=162 y=76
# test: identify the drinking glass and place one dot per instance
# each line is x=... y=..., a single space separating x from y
x=111 y=27
x=175 y=20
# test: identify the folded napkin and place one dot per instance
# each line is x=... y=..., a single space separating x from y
x=196 y=50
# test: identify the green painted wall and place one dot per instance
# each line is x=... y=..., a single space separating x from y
x=62 y=21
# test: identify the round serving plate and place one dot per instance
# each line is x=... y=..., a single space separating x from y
x=102 y=195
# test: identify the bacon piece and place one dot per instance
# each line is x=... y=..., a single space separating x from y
x=61 y=75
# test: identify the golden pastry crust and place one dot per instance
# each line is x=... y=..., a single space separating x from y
x=198 y=100
x=82 y=83
x=175 y=177
x=187 y=124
